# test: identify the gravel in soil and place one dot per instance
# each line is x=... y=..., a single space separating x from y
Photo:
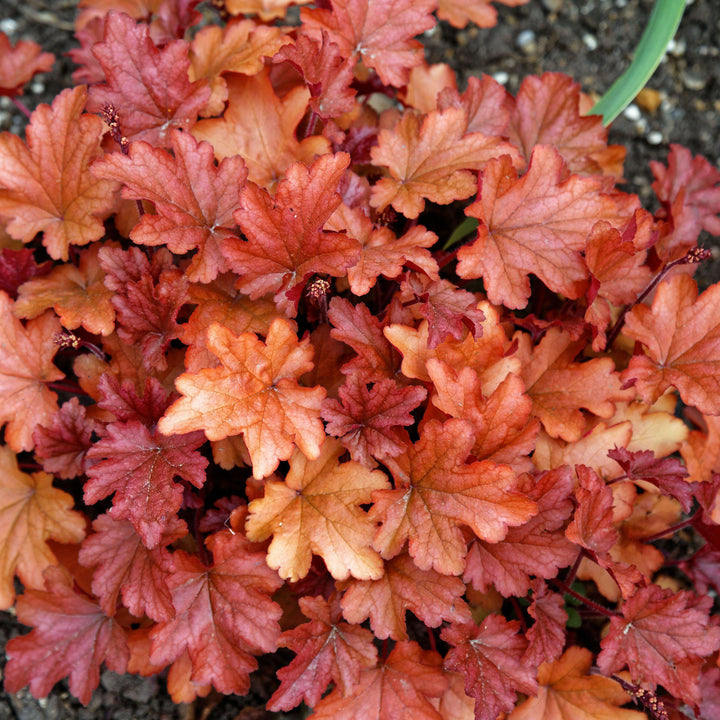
x=591 y=40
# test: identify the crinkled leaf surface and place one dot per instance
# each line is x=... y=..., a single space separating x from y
x=254 y=392
x=316 y=510
x=46 y=185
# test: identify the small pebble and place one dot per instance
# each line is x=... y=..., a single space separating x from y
x=501 y=77
x=693 y=82
x=655 y=137
x=641 y=126
x=676 y=48
x=632 y=112
x=621 y=3
x=37 y=87
x=526 y=42
x=552 y=5
x=590 y=41
x=9 y=26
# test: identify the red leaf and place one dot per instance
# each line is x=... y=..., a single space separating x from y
x=535 y=224
x=662 y=638
x=546 y=112
x=286 y=243
x=367 y=419
x=491 y=658
x=689 y=189
x=18 y=64
x=194 y=200
x=547 y=634
x=668 y=474
x=124 y=566
x=680 y=335
x=431 y=597
x=16 y=268
x=536 y=548
x=408 y=681
x=375 y=32
x=149 y=88
x=326 y=649
x=223 y=614
x=357 y=327
x=139 y=465
x=71 y=638
x=592 y=525
x=63 y=443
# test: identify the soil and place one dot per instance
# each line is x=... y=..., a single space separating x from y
x=592 y=40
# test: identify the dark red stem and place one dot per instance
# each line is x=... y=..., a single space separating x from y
x=21 y=107
x=586 y=601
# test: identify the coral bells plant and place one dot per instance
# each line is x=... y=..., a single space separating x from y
x=261 y=410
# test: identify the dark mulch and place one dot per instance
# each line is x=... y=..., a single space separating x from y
x=592 y=40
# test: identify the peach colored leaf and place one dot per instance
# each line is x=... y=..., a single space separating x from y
x=76 y=293
x=265 y=9
x=436 y=492
x=681 y=338
x=326 y=649
x=254 y=392
x=537 y=224
x=32 y=512
x=560 y=388
x=260 y=127
x=223 y=614
x=431 y=597
x=409 y=680
x=148 y=88
x=25 y=367
x=568 y=690
x=431 y=158
x=490 y=657
x=194 y=199
x=316 y=510
x=46 y=186
x=239 y=47
x=285 y=241
x=19 y=63
x=485 y=101
x=71 y=638
x=479 y=12
x=376 y=32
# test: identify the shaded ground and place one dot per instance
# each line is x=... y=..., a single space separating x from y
x=592 y=40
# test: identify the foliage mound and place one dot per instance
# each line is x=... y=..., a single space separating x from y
x=255 y=401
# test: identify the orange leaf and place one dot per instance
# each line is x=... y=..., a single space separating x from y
x=431 y=158
x=315 y=510
x=45 y=186
x=436 y=492
x=559 y=387
x=681 y=337
x=535 y=224
x=32 y=511
x=18 y=64
x=254 y=392
x=25 y=366
x=567 y=690
x=260 y=127
x=77 y=294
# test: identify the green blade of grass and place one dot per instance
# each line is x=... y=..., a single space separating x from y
x=661 y=27
x=467 y=226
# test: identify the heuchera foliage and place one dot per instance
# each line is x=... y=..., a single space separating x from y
x=253 y=401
